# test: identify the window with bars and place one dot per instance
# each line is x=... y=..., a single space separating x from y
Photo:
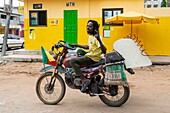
x=109 y=12
x=156 y=3
x=38 y=18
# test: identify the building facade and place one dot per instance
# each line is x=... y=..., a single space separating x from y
x=46 y=22
x=16 y=22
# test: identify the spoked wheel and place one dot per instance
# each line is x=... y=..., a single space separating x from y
x=50 y=90
x=115 y=96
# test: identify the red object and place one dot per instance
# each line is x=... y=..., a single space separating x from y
x=53 y=63
x=66 y=61
x=94 y=72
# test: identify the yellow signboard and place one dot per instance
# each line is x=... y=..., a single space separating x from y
x=21 y=9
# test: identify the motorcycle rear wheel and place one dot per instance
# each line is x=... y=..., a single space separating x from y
x=116 y=100
x=48 y=93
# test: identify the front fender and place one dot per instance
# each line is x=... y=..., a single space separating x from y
x=59 y=68
x=47 y=68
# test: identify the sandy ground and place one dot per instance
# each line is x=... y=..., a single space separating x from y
x=150 y=92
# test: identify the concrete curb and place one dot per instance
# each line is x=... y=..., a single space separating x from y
x=162 y=60
x=22 y=55
x=22 y=58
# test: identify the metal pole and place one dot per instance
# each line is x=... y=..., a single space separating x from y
x=131 y=27
x=4 y=46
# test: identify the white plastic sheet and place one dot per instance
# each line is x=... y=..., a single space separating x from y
x=132 y=54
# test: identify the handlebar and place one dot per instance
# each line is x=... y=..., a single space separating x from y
x=62 y=43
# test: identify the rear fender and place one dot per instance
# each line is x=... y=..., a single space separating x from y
x=59 y=68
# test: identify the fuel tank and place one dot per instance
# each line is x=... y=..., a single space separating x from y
x=67 y=60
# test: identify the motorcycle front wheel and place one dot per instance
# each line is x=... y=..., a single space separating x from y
x=50 y=90
x=115 y=100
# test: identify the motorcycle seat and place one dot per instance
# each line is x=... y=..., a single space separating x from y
x=101 y=62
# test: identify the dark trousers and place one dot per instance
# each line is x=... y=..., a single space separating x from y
x=80 y=62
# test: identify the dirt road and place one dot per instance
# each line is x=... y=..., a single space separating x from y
x=150 y=92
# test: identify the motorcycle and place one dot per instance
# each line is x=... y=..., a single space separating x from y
x=108 y=78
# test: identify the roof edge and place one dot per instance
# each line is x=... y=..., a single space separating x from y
x=21 y=0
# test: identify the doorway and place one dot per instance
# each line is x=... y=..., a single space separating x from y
x=70 y=26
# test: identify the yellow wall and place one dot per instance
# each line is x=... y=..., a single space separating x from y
x=154 y=37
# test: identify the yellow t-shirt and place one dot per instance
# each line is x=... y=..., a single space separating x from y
x=95 y=52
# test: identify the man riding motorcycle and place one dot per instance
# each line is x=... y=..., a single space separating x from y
x=96 y=52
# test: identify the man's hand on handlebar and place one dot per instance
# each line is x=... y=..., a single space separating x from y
x=73 y=45
x=64 y=44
